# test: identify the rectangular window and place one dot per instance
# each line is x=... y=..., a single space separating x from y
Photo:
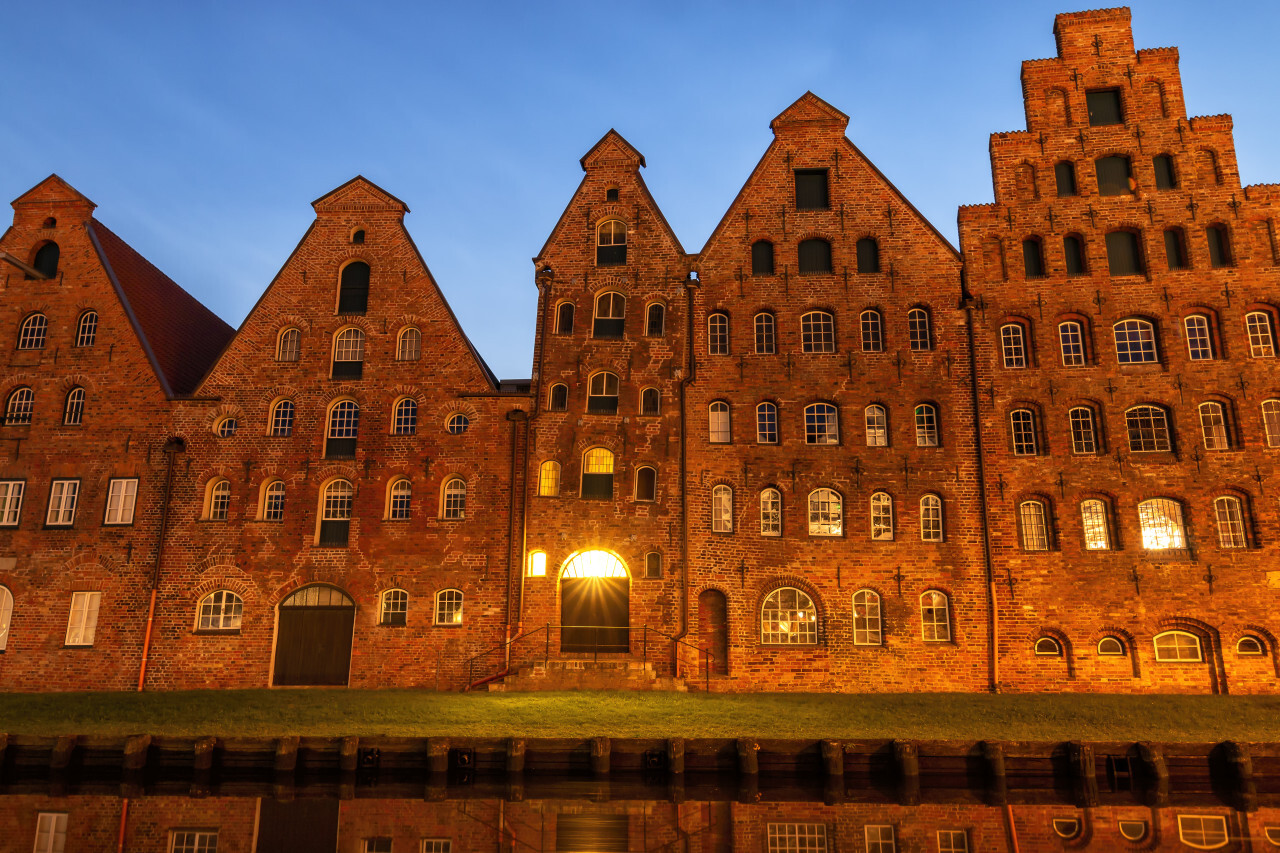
x=879 y=839
x=1071 y=338
x=1174 y=250
x=1013 y=345
x=62 y=503
x=811 y=189
x=1035 y=526
x=765 y=342
x=1104 y=107
x=51 y=832
x=1124 y=256
x=1219 y=247
x=1114 y=176
x=1093 y=515
x=1073 y=254
x=797 y=838
x=953 y=841
x=121 y=497
x=83 y=621
x=193 y=841
x=1165 y=179
x=11 y=501
x=436 y=845
x=1262 y=342
x=1199 y=341
x=377 y=845
x=1023 y=424
x=1084 y=439
x=766 y=424
x=1064 y=175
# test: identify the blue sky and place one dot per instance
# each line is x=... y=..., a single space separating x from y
x=203 y=130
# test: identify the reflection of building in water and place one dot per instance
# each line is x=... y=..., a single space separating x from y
x=370 y=825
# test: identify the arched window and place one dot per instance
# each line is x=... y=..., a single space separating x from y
x=867 y=627
x=817 y=332
x=1178 y=646
x=357 y=236
x=1132 y=830
x=1203 y=832
x=1199 y=337
x=1064 y=173
x=770 y=512
x=1034 y=517
x=1213 y=426
x=400 y=500
x=273 y=501
x=353 y=292
x=821 y=424
x=558 y=398
x=868 y=255
x=1135 y=342
x=1124 y=253
x=766 y=423
x=564 y=318
x=73 y=411
x=655 y=320
x=281 y=419
x=46 y=259
x=646 y=483
x=718 y=431
x=1023 y=434
x=335 y=513
x=611 y=243
x=453 y=499
x=219 y=500
x=650 y=402
x=394 y=608
x=1271 y=422
x=766 y=336
x=930 y=518
x=1013 y=344
x=1247 y=646
x=718 y=334
x=1115 y=176
x=1033 y=258
x=1071 y=343
x=457 y=424
x=344 y=427
x=826 y=513
x=602 y=394
x=881 y=517
x=1161 y=522
x=597 y=474
x=226 y=427
x=1084 y=430
x=1111 y=647
x=1229 y=513
x=219 y=611
x=33 y=332
x=348 y=354
x=449 y=607
x=877 y=426
x=918 y=330
x=1148 y=428
x=721 y=509
x=926 y=425
x=404 y=417
x=935 y=617
x=1262 y=338
x=549 y=479
x=762 y=258
x=610 y=316
x=19 y=408
x=1049 y=647
x=87 y=329
x=1219 y=245
x=788 y=618
x=815 y=256
x=872 y=331
x=6 y=614
x=1073 y=255
x=289 y=345
x=1096 y=523
x=409 y=345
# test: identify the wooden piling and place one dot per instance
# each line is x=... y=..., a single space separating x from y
x=675 y=756
x=286 y=759
x=437 y=754
x=203 y=750
x=601 y=750
x=995 y=776
x=135 y=752
x=906 y=758
x=515 y=755
x=1084 y=773
x=349 y=754
x=1155 y=773
x=748 y=757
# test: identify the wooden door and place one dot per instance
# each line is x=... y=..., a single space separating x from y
x=313 y=638
x=297 y=826
x=596 y=615
x=713 y=630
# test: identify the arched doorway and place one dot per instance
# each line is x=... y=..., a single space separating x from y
x=595 y=604
x=313 y=637
x=713 y=629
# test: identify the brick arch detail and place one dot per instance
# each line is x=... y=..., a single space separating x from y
x=1064 y=642
x=1130 y=644
x=1267 y=637
x=1207 y=634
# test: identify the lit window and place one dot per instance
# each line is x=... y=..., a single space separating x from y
x=770 y=512
x=11 y=501
x=449 y=607
x=219 y=500
x=872 y=331
x=867 y=628
x=62 y=503
x=610 y=314
x=817 y=332
x=1148 y=428
x=289 y=347
x=1084 y=433
x=1199 y=337
x=457 y=424
x=597 y=474
x=1203 y=832
x=881 y=517
x=1213 y=426
x=122 y=495
x=1110 y=647
x=767 y=423
x=722 y=509
x=766 y=337
x=51 y=832
x=918 y=330
x=564 y=318
x=1135 y=342
x=718 y=334
x=1161 y=522
x=1229 y=512
x=1035 y=525
x=82 y=624
x=6 y=614
x=650 y=402
x=549 y=479
x=602 y=394
x=20 y=407
x=395 y=608
x=788 y=617
x=821 y=425
x=348 y=354
x=611 y=243
x=335 y=514
x=879 y=838
x=931 y=518
x=1177 y=646
x=1071 y=341
x=1248 y=645
x=400 y=501
x=1262 y=339
x=537 y=564
x=826 y=513
x=87 y=329
x=273 y=501
x=926 y=425
x=220 y=611
x=282 y=419
x=454 y=504
x=1096 y=525
x=877 y=426
x=344 y=428
x=353 y=289
x=1271 y=421
x=655 y=317
x=718 y=423
x=409 y=347
x=1049 y=647
x=762 y=258
x=1023 y=425
x=646 y=483
x=33 y=332
x=558 y=399
x=935 y=618
x=1013 y=345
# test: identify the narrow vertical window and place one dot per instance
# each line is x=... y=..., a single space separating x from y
x=1084 y=431
x=1124 y=253
x=1199 y=337
x=289 y=346
x=1213 y=426
x=881 y=517
x=722 y=509
x=1071 y=343
x=762 y=258
x=597 y=474
x=770 y=512
x=926 y=425
x=766 y=423
x=1064 y=175
x=400 y=503
x=1271 y=422
x=348 y=354
x=344 y=429
x=1262 y=338
x=11 y=492
x=122 y=495
x=404 y=418
x=449 y=607
x=1229 y=512
x=454 y=505
x=335 y=514
x=1219 y=246
x=87 y=329
x=395 y=608
x=549 y=479
x=82 y=624
x=273 y=502
x=815 y=256
x=718 y=334
x=564 y=318
x=1096 y=526
x=872 y=331
x=868 y=255
x=935 y=617
x=918 y=330
x=6 y=614
x=1023 y=425
x=1032 y=258
x=73 y=411
x=1175 y=249
x=877 y=423
x=826 y=513
x=1035 y=525
x=558 y=399
x=1013 y=345
x=866 y=618
x=62 y=503
x=650 y=402
x=353 y=291
x=282 y=419
x=219 y=501
x=655 y=320
x=817 y=332
x=1073 y=254
x=1165 y=177
x=718 y=430
x=646 y=483
x=611 y=243
x=931 y=518
x=610 y=316
x=821 y=424
x=766 y=337
x=409 y=345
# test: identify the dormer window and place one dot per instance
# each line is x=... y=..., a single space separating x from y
x=611 y=243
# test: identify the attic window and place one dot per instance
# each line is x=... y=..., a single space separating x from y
x=227 y=427
x=357 y=236
x=50 y=223
x=1104 y=107
x=811 y=189
x=611 y=194
x=46 y=260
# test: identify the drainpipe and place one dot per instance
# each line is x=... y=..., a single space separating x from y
x=691 y=284
x=544 y=279
x=993 y=634
x=516 y=417
x=172 y=448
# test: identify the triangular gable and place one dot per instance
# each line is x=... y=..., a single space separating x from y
x=612 y=150
x=358 y=194
x=53 y=190
x=180 y=335
x=810 y=110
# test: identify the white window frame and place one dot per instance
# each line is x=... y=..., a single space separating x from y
x=821 y=424
x=11 y=492
x=409 y=344
x=953 y=841
x=1033 y=519
x=926 y=425
x=1194 y=831
x=87 y=329
x=73 y=408
x=289 y=345
x=1095 y=523
x=1083 y=423
x=1013 y=345
x=122 y=499
x=788 y=617
x=51 y=832
x=1228 y=512
x=82 y=620
x=448 y=607
x=872 y=327
x=766 y=423
x=770 y=512
x=1152 y=429
x=718 y=333
x=1271 y=422
x=935 y=616
x=1198 y=330
x=393 y=607
x=1161 y=523
x=931 y=522
x=919 y=330
x=404 y=417
x=881 y=517
x=1023 y=433
x=6 y=615
x=721 y=509
x=1071 y=343
x=220 y=611
x=877 y=425
x=1183 y=647
x=34 y=332
x=1213 y=425
x=766 y=333
x=1135 y=341
x=718 y=427
x=400 y=500
x=826 y=512
x=817 y=332
x=273 y=500
x=282 y=416
x=453 y=499
x=1260 y=326
x=868 y=625
x=193 y=840
x=63 y=497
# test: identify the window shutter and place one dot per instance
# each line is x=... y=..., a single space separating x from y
x=1104 y=107
x=1123 y=257
x=1065 y=175
x=811 y=189
x=1113 y=176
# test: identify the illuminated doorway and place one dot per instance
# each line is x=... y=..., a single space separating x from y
x=595 y=604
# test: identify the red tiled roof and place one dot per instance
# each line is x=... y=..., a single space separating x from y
x=182 y=337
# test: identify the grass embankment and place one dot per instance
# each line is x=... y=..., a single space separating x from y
x=269 y=713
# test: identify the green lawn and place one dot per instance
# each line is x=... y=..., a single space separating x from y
x=265 y=713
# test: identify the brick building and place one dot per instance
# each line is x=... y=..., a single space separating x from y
x=828 y=451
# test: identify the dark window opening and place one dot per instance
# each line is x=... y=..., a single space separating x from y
x=1124 y=257
x=649 y=401
x=653 y=565
x=46 y=260
x=602 y=405
x=611 y=244
x=1065 y=175
x=1175 y=250
x=1219 y=246
x=334 y=534
x=50 y=222
x=348 y=369
x=597 y=487
x=646 y=484
x=358 y=237
x=762 y=258
x=811 y=189
x=1165 y=178
x=564 y=318
x=655 y=320
x=559 y=398
x=868 y=255
x=1032 y=258
x=340 y=448
x=815 y=256
x=1104 y=107
x=353 y=295
x=1114 y=176
x=611 y=194
x=1074 y=254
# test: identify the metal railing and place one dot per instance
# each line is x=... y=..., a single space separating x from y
x=524 y=648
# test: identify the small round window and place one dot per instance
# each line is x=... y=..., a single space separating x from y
x=227 y=427
x=457 y=424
